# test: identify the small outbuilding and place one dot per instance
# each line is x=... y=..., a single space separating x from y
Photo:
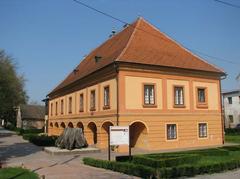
x=30 y=116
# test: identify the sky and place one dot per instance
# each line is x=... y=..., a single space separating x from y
x=48 y=38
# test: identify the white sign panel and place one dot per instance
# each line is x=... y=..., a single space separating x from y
x=119 y=135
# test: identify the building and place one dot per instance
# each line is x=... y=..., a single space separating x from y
x=140 y=77
x=231 y=102
x=30 y=116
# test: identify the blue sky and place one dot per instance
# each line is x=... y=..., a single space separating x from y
x=48 y=38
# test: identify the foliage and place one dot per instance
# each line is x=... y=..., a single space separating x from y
x=234 y=138
x=127 y=168
x=17 y=173
x=12 y=91
x=178 y=164
x=40 y=140
x=232 y=131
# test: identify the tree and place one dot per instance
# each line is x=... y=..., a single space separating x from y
x=12 y=92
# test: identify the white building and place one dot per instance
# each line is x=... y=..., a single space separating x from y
x=231 y=103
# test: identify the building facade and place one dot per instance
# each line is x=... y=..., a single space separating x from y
x=141 y=78
x=231 y=102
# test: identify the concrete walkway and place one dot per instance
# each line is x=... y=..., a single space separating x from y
x=17 y=152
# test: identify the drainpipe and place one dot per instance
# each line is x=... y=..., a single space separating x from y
x=222 y=118
x=117 y=80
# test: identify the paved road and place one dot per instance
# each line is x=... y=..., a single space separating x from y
x=16 y=152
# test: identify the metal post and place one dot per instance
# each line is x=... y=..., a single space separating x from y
x=109 y=152
x=129 y=146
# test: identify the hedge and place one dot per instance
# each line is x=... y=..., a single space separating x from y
x=166 y=172
x=165 y=162
x=232 y=131
x=40 y=140
x=189 y=170
x=123 y=167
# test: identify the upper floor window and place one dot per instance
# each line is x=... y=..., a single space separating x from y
x=51 y=109
x=106 y=97
x=171 y=131
x=56 y=108
x=202 y=130
x=81 y=103
x=62 y=106
x=92 y=101
x=149 y=95
x=230 y=117
x=70 y=105
x=178 y=96
x=229 y=100
x=201 y=95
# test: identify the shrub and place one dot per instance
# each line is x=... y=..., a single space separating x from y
x=10 y=127
x=17 y=173
x=31 y=131
x=28 y=136
x=42 y=140
x=232 y=131
x=127 y=168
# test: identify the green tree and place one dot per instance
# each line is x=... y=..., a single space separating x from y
x=12 y=92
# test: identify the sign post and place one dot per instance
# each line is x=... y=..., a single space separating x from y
x=118 y=135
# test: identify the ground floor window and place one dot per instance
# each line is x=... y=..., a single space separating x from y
x=171 y=131
x=202 y=128
x=230 y=117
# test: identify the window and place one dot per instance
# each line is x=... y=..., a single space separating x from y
x=149 y=95
x=178 y=96
x=70 y=105
x=201 y=95
x=171 y=131
x=230 y=117
x=56 y=108
x=229 y=100
x=106 y=97
x=51 y=109
x=62 y=106
x=81 y=103
x=92 y=101
x=202 y=130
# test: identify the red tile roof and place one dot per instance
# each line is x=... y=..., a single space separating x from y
x=141 y=43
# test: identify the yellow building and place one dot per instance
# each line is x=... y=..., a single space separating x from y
x=140 y=77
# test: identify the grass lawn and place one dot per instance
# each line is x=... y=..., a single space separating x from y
x=234 y=138
x=174 y=165
x=17 y=173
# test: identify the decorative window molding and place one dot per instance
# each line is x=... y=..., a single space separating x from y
x=81 y=102
x=106 y=97
x=93 y=100
x=178 y=92
x=202 y=97
x=149 y=95
x=171 y=130
x=70 y=105
x=202 y=130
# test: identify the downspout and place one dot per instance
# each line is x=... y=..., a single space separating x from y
x=117 y=82
x=222 y=118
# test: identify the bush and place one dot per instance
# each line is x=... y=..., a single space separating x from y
x=31 y=131
x=166 y=162
x=232 y=131
x=10 y=127
x=28 y=136
x=127 y=168
x=42 y=140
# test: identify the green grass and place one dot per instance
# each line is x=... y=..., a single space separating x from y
x=233 y=138
x=17 y=173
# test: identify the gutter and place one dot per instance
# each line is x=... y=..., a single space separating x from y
x=116 y=67
x=222 y=118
